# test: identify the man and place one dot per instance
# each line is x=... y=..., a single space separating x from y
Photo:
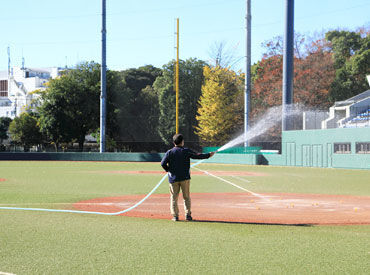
x=177 y=163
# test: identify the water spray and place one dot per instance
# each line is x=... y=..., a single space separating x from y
x=271 y=118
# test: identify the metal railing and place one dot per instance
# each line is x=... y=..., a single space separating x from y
x=314 y=120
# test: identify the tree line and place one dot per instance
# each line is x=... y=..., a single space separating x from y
x=141 y=101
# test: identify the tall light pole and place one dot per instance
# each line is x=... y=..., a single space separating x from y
x=288 y=65
x=247 y=94
x=177 y=77
x=103 y=86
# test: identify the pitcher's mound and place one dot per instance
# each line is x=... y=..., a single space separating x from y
x=305 y=209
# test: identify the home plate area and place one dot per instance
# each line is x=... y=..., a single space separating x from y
x=272 y=208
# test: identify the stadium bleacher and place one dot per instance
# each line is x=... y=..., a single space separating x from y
x=362 y=120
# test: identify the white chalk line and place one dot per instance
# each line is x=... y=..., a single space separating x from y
x=286 y=203
x=233 y=184
x=67 y=203
x=36 y=203
x=5 y=273
x=239 y=178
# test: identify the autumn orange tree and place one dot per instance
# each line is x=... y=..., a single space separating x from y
x=266 y=91
x=219 y=110
x=313 y=74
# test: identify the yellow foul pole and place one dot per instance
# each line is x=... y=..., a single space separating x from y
x=177 y=79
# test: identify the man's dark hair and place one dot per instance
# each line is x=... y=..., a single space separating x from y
x=177 y=139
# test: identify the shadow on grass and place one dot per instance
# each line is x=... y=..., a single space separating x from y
x=254 y=223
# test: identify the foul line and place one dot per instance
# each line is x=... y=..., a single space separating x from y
x=239 y=178
x=233 y=184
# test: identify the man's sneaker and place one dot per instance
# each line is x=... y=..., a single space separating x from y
x=189 y=218
x=175 y=219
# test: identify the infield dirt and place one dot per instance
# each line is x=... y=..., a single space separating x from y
x=273 y=208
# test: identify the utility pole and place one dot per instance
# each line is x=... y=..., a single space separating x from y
x=103 y=90
x=247 y=94
x=177 y=77
x=8 y=62
x=9 y=70
x=288 y=65
x=23 y=61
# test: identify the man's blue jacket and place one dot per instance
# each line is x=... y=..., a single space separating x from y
x=177 y=163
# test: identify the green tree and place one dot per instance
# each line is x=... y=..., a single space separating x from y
x=190 y=85
x=343 y=44
x=4 y=126
x=351 y=53
x=115 y=101
x=70 y=105
x=219 y=114
x=137 y=105
x=25 y=130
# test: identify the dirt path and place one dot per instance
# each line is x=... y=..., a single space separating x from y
x=305 y=209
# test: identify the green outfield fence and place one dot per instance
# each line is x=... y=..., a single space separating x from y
x=138 y=157
x=234 y=150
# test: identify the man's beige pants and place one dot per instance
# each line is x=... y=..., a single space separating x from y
x=175 y=190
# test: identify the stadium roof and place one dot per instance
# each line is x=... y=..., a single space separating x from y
x=353 y=99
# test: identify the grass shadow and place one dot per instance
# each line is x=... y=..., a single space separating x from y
x=255 y=223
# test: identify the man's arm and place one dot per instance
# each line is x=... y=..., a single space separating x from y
x=195 y=155
x=165 y=161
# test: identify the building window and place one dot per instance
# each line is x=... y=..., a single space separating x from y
x=363 y=147
x=3 y=85
x=3 y=94
x=342 y=148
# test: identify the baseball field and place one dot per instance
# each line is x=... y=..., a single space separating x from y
x=247 y=219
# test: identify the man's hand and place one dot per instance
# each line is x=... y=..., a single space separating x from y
x=211 y=154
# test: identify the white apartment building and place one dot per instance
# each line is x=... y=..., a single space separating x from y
x=16 y=88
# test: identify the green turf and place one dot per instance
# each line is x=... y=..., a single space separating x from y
x=51 y=243
x=298 y=179
x=61 y=243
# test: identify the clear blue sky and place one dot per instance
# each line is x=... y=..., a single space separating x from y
x=140 y=32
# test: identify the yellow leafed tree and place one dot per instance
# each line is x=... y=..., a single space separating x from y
x=220 y=112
